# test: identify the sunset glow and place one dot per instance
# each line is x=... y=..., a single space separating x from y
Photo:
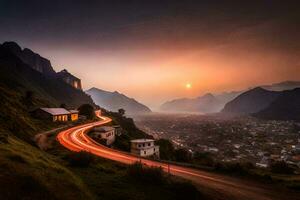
x=188 y=86
x=152 y=56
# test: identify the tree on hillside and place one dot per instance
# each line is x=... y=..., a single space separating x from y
x=166 y=149
x=182 y=155
x=205 y=159
x=87 y=110
x=121 y=111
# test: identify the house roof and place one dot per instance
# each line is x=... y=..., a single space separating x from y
x=56 y=111
x=141 y=140
x=103 y=129
x=73 y=111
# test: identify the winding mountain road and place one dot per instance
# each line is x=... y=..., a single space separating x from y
x=216 y=185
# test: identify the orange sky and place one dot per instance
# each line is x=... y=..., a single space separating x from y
x=150 y=50
x=154 y=76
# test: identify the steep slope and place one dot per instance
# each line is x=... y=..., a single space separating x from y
x=251 y=101
x=205 y=104
x=20 y=77
x=113 y=101
x=28 y=173
x=285 y=107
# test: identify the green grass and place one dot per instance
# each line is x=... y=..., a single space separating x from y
x=27 y=171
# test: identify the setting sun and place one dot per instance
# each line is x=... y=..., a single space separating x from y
x=188 y=85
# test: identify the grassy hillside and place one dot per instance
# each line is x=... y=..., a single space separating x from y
x=30 y=173
x=110 y=180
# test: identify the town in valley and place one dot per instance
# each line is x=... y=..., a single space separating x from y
x=229 y=139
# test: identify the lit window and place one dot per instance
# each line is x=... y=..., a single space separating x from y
x=75 y=84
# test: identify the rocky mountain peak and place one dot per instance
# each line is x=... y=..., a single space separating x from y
x=70 y=79
x=12 y=46
x=34 y=60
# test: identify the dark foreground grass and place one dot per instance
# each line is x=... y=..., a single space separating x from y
x=110 y=180
x=28 y=173
x=113 y=181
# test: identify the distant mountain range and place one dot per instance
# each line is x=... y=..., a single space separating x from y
x=207 y=103
x=22 y=70
x=212 y=103
x=114 y=100
x=265 y=104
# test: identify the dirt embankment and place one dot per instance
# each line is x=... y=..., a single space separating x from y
x=42 y=139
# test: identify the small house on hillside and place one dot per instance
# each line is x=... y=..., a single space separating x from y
x=144 y=148
x=105 y=133
x=56 y=114
x=118 y=130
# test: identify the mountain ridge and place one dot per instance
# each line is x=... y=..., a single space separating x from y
x=251 y=101
x=115 y=100
x=31 y=58
x=40 y=64
x=281 y=86
x=285 y=107
x=207 y=103
x=20 y=77
x=181 y=104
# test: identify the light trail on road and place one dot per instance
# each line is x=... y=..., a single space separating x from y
x=76 y=139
